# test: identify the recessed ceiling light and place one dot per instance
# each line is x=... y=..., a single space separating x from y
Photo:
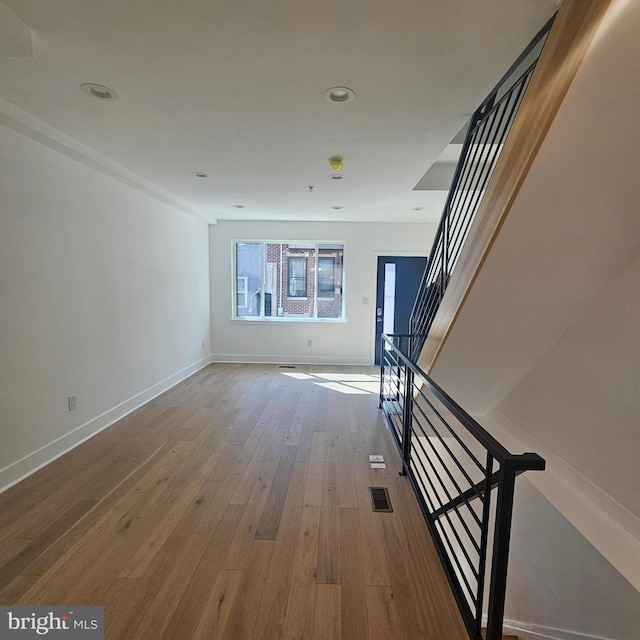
x=336 y=176
x=199 y=174
x=336 y=207
x=339 y=95
x=238 y=206
x=417 y=209
x=98 y=91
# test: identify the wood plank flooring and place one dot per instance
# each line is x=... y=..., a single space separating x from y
x=235 y=506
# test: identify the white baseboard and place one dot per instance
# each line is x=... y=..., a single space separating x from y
x=526 y=631
x=276 y=359
x=32 y=462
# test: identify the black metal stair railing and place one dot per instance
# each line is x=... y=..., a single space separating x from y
x=456 y=468
x=463 y=478
x=487 y=131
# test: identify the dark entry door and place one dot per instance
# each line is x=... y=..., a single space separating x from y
x=398 y=281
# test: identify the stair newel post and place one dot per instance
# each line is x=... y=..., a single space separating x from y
x=500 y=555
x=406 y=419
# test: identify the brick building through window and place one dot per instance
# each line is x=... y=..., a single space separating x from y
x=289 y=280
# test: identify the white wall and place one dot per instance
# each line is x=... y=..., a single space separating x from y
x=104 y=293
x=559 y=585
x=350 y=342
x=582 y=400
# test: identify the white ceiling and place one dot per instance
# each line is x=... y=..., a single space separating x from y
x=234 y=88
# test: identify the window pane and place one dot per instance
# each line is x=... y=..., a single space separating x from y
x=272 y=278
x=297 y=277
x=241 y=292
x=389 y=304
x=300 y=260
x=330 y=273
x=326 y=286
x=248 y=279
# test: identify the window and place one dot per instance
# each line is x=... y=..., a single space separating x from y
x=241 y=291
x=297 y=277
x=248 y=279
x=288 y=280
x=326 y=286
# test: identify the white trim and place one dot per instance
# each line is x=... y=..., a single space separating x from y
x=276 y=359
x=606 y=524
x=32 y=462
x=526 y=631
x=284 y=319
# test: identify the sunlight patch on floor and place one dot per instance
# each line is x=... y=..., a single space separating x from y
x=347 y=383
x=297 y=376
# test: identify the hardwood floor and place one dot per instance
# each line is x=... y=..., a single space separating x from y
x=235 y=506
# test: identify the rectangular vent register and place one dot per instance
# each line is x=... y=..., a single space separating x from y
x=380 y=499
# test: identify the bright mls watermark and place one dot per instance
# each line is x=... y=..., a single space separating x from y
x=53 y=623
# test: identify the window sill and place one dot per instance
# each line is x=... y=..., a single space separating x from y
x=276 y=320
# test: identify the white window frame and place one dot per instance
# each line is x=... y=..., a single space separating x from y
x=278 y=318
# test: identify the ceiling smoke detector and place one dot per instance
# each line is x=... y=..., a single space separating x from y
x=336 y=163
x=339 y=95
x=98 y=91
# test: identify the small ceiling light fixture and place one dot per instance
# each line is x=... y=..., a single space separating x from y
x=98 y=91
x=199 y=174
x=336 y=176
x=339 y=95
x=238 y=206
x=336 y=207
x=417 y=209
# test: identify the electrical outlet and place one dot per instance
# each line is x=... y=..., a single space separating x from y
x=72 y=400
x=309 y=343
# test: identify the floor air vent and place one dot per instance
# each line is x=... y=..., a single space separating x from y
x=380 y=499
